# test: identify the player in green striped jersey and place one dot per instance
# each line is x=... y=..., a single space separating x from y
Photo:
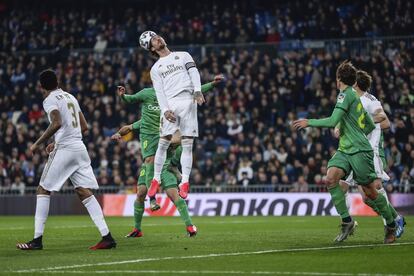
x=354 y=153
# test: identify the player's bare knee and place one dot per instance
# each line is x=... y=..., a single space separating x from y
x=141 y=193
x=41 y=191
x=168 y=137
x=331 y=181
x=344 y=186
x=378 y=184
x=150 y=160
x=172 y=193
x=370 y=191
x=83 y=193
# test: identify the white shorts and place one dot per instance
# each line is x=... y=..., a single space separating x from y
x=378 y=170
x=64 y=164
x=185 y=110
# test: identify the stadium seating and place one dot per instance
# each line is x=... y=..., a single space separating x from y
x=245 y=134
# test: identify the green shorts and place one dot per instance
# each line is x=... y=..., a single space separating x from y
x=361 y=163
x=149 y=144
x=168 y=179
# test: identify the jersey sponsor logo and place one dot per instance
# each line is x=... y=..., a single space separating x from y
x=142 y=173
x=341 y=97
x=153 y=107
x=171 y=69
x=177 y=57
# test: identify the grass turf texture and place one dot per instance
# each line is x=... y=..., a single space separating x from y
x=67 y=239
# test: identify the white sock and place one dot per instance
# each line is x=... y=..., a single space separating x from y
x=160 y=157
x=42 y=211
x=186 y=159
x=95 y=211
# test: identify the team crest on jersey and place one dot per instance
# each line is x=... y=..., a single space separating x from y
x=177 y=57
x=341 y=97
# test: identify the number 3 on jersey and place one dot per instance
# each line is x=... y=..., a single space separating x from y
x=75 y=118
x=361 y=118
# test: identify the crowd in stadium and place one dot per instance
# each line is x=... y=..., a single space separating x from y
x=245 y=133
x=35 y=26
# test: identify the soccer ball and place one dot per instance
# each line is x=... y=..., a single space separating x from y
x=145 y=39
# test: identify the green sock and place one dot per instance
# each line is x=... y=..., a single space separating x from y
x=149 y=173
x=138 y=213
x=338 y=199
x=372 y=204
x=183 y=210
x=393 y=211
x=176 y=158
x=383 y=206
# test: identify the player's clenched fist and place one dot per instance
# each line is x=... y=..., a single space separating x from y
x=199 y=98
x=169 y=115
x=120 y=90
x=217 y=79
x=116 y=137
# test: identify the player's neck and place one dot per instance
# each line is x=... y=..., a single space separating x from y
x=343 y=86
x=360 y=92
x=164 y=52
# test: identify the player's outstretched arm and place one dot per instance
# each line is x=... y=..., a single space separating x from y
x=123 y=131
x=329 y=122
x=210 y=85
x=134 y=98
x=55 y=124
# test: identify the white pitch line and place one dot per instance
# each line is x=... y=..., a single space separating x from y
x=215 y=255
x=220 y=272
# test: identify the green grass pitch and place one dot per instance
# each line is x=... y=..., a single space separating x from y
x=224 y=246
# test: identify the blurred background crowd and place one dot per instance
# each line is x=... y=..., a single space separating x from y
x=245 y=134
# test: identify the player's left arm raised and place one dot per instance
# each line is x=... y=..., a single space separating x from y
x=55 y=124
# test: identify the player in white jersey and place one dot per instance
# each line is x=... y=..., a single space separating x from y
x=375 y=110
x=68 y=159
x=177 y=85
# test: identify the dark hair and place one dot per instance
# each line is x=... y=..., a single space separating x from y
x=346 y=73
x=48 y=79
x=364 y=80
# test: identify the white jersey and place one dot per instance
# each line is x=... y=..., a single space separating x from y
x=172 y=78
x=371 y=104
x=69 y=134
